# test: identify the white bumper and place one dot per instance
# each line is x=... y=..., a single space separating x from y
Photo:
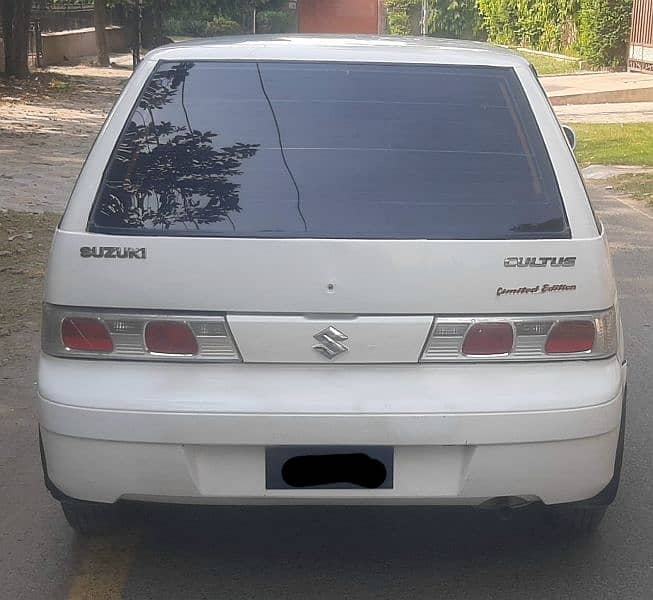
x=461 y=434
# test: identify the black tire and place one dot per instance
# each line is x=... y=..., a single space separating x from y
x=578 y=521
x=91 y=518
x=584 y=517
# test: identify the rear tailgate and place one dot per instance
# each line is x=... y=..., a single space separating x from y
x=332 y=210
x=279 y=294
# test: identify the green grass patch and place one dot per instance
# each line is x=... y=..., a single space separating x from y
x=614 y=143
x=637 y=185
x=549 y=65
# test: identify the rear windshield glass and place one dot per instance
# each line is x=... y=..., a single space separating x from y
x=245 y=149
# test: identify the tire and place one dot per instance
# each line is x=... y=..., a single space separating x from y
x=578 y=521
x=91 y=518
x=583 y=518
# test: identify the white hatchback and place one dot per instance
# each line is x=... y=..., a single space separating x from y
x=332 y=270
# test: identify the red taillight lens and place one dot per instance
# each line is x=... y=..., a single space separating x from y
x=483 y=339
x=570 y=336
x=170 y=337
x=90 y=335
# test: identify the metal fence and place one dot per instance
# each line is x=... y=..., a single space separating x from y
x=640 y=54
x=72 y=16
x=48 y=18
x=35 y=45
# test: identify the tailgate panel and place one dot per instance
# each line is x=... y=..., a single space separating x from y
x=331 y=277
x=298 y=339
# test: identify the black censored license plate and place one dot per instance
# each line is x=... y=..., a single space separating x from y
x=329 y=467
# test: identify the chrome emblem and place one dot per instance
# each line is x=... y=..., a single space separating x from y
x=542 y=261
x=330 y=345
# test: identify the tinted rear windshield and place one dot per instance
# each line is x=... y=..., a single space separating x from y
x=245 y=149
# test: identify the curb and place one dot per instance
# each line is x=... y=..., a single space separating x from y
x=545 y=53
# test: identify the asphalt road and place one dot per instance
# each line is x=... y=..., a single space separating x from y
x=343 y=552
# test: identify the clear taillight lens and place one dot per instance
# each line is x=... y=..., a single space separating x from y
x=131 y=335
x=505 y=338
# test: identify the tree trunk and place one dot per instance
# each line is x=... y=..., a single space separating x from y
x=152 y=25
x=15 y=33
x=147 y=27
x=157 y=23
x=100 y=33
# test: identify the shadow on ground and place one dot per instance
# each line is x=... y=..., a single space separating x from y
x=341 y=552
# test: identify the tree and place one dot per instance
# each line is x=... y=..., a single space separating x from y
x=15 y=32
x=604 y=31
x=101 y=33
x=152 y=27
x=157 y=23
x=445 y=18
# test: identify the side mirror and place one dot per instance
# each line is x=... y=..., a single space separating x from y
x=571 y=136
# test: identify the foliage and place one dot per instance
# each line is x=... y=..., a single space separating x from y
x=453 y=18
x=275 y=21
x=222 y=26
x=541 y=24
x=398 y=16
x=446 y=18
x=60 y=85
x=614 y=143
x=201 y=27
x=605 y=28
x=202 y=18
x=596 y=29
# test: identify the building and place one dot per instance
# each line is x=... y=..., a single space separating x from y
x=339 y=16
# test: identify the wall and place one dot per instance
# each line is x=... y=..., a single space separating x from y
x=338 y=16
x=60 y=46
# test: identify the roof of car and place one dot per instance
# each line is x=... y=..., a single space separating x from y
x=341 y=48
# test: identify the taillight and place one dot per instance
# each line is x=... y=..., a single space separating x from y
x=484 y=339
x=567 y=337
x=136 y=335
x=519 y=338
x=85 y=334
x=170 y=337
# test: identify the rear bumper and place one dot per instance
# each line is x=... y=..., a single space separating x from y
x=121 y=432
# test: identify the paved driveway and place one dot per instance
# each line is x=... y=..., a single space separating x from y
x=625 y=112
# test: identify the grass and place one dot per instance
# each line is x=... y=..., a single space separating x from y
x=549 y=65
x=58 y=84
x=637 y=185
x=614 y=143
x=24 y=245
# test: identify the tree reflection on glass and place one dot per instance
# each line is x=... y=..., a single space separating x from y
x=165 y=174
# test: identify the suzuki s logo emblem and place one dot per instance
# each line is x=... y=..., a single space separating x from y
x=330 y=342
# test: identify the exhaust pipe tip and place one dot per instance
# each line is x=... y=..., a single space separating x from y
x=505 y=505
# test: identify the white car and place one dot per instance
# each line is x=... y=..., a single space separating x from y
x=334 y=270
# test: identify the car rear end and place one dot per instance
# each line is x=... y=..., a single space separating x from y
x=269 y=264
